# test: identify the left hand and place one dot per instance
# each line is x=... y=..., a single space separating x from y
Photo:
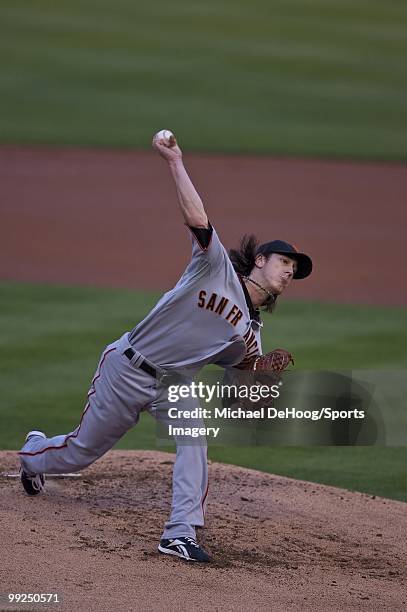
x=275 y=361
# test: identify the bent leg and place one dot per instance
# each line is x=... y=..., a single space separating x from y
x=117 y=394
x=75 y=451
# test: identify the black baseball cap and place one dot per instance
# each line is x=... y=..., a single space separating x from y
x=304 y=263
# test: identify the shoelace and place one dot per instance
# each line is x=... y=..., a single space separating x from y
x=36 y=483
x=192 y=542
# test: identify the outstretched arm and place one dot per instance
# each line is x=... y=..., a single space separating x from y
x=190 y=203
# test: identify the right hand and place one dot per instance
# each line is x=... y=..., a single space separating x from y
x=170 y=152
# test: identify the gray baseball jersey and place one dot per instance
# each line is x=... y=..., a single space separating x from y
x=207 y=318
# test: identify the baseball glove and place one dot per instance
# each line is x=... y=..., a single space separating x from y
x=263 y=369
x=275 y=361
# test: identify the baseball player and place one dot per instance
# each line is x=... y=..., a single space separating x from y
x=212 y=315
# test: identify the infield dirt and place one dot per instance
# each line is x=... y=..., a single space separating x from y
x=277 y=543
x=111 y=218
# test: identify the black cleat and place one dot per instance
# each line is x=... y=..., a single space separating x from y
x=184 y=547
x=35 y=483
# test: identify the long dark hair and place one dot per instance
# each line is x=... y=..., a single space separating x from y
x=244 y=259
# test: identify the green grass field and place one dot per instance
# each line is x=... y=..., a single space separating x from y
x=295 y=77
x=51 y=338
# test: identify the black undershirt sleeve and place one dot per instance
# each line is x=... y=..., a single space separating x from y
x=203 y=235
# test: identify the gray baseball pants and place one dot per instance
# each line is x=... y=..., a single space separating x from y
x=118 y=393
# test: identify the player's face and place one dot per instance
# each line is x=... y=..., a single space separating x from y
x=277 y=272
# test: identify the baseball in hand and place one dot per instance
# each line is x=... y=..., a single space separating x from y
x=164 y=135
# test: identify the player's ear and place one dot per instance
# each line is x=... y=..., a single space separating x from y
x=260 y=261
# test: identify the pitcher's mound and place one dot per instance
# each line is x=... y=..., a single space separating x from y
x=277 y=543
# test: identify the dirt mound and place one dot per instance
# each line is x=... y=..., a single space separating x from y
x=277 y=543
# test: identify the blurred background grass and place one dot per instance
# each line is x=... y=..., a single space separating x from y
x=294 y=77
x=52 y=338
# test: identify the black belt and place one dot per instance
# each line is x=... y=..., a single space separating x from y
x=146 y=367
